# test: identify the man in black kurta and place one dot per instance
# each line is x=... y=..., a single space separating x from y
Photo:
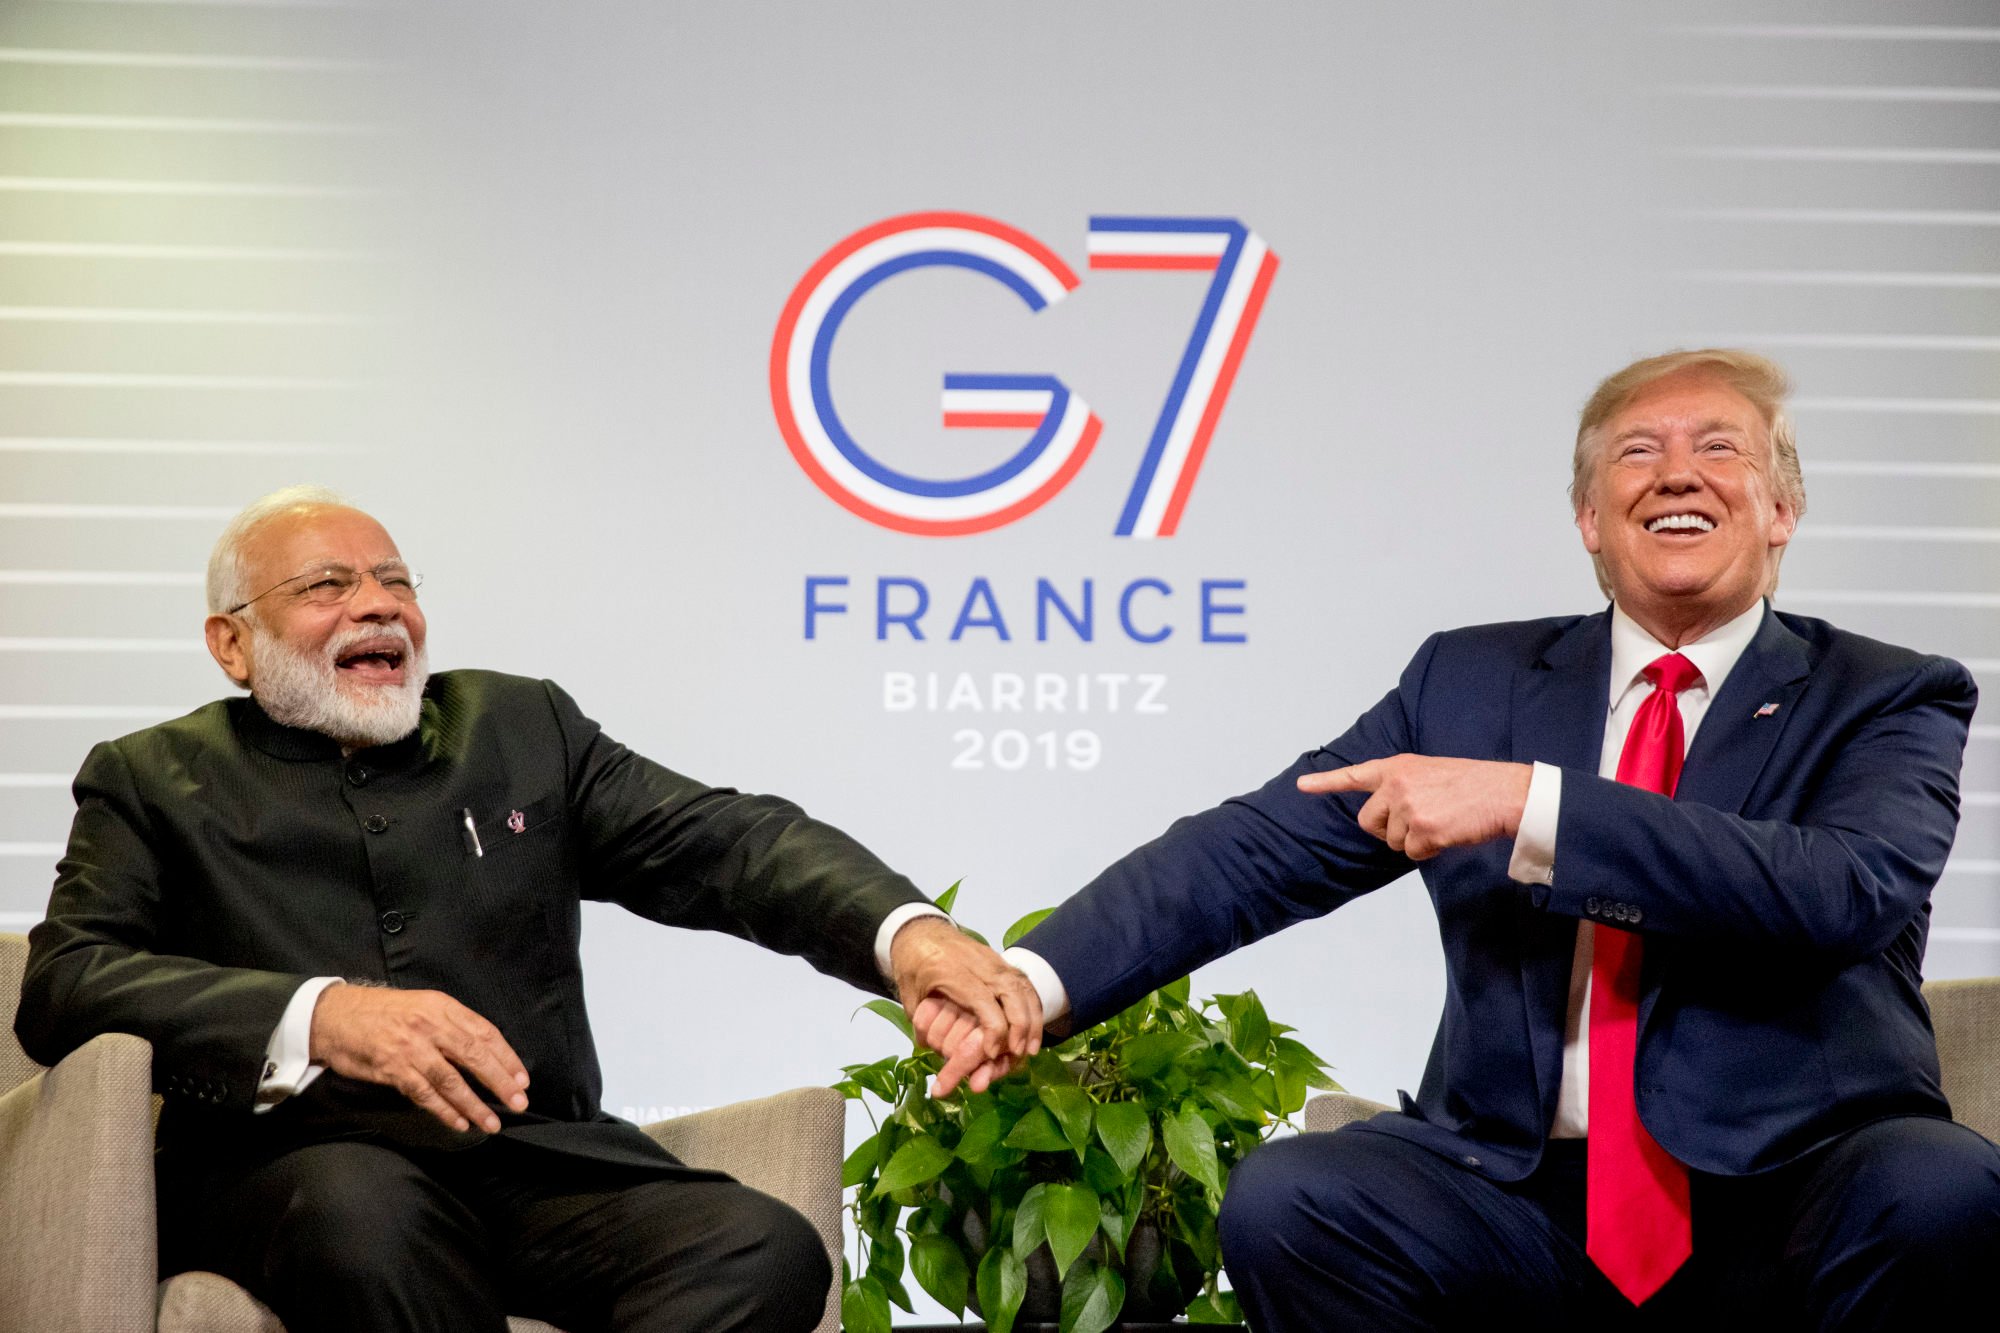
x=220 y=862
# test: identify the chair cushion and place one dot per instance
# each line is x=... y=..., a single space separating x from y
x=210 y=1303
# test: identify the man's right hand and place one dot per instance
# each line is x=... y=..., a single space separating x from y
x=417 y=1042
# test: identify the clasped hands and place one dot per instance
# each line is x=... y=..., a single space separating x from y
x=964 y=1002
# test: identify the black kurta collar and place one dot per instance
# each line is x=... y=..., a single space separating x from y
x=279 y=741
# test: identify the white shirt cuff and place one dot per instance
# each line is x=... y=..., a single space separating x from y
x=1055 y=1000
x=288 y=1066
x=892 y=923
x=1534 y=859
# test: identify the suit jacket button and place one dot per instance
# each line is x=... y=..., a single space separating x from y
x=392 y=922
x=375 y=823
x=1469 y=1160
x=1590 y=906
x=1637 y=915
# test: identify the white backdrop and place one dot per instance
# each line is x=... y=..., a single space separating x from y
x=510 y=275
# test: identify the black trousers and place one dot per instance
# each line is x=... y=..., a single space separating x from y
x=358 y=1237
x=1894 y=1226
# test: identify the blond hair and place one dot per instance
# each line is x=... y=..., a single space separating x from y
x=1759 y=379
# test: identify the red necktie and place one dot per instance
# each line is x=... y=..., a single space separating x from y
x=1637 y=1227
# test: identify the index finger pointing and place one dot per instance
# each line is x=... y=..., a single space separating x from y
x=1355 y=777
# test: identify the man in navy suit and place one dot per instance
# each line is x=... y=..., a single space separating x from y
x=1681 y=854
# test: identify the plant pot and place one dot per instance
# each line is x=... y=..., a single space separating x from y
x=1151 y=1296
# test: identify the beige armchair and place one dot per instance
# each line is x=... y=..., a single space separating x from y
x=1966 y=1015
x=77 y=1244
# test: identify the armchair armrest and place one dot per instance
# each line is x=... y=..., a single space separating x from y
x=76 y=1192
x=1331 y=1110
x=787 y=1145
x=1966 y=1016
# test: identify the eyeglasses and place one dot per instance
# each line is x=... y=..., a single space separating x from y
x=336 y=583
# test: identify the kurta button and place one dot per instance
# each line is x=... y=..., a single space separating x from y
x=375 y=823
x=392 y=922
x=358 y=774
x=1469 y=1160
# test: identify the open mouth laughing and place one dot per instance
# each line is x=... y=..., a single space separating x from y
x=375 y=660
x=1685 y=524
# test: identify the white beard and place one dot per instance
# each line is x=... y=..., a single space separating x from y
x=305 y=690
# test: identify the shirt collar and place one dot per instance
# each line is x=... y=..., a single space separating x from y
x=1714 y=654
x=296 y=743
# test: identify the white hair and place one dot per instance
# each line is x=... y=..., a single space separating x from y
x=225 y=562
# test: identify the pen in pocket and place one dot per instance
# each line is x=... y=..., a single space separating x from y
x=471 y=834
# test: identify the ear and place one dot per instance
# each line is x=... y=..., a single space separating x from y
x=1784 y=522
x=229 y=644
x=1586 y=524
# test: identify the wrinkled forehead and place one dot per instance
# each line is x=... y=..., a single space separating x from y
x=1691 y=402
x=307 y=538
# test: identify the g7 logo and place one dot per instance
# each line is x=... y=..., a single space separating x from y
x=1064 y=428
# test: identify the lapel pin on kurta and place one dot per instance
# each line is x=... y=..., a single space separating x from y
x=1765 y=711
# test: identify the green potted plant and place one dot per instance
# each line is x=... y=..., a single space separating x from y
x=1080 y=1189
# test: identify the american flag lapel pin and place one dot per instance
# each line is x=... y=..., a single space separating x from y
x=518 y=821
x=1765 y=711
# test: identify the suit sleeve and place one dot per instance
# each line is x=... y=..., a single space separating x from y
x=1218 y=880
x=1838 y=879
x=710 y=858
x=91 y=966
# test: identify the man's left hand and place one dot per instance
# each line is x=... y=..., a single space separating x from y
x=950 y=1031
x=931 y=959
x=1422 y=804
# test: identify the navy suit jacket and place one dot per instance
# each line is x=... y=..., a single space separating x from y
x=1783 y=892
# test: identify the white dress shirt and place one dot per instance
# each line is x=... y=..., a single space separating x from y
x=1533 y=860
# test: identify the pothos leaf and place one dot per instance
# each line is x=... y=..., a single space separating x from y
x=1233 y=1097
x=1070 y=1105
x=917 y=1161
x=1003 y=1285
x=940 y=1269
x=864 y=1307
x=1215 y=1306
x=892 y=1011
x=861 y=1161
x=1037 y=1132
x=949 y=896
x=1150 y=1052
x=1126 y=1133
x=1250 y=1026
x=1072 y=1215
x=1117 y=1227
x=1030 y=1222
x=1191 y=1145
x=1092 y=1297
x=983 y=1135
x=1020 y=928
